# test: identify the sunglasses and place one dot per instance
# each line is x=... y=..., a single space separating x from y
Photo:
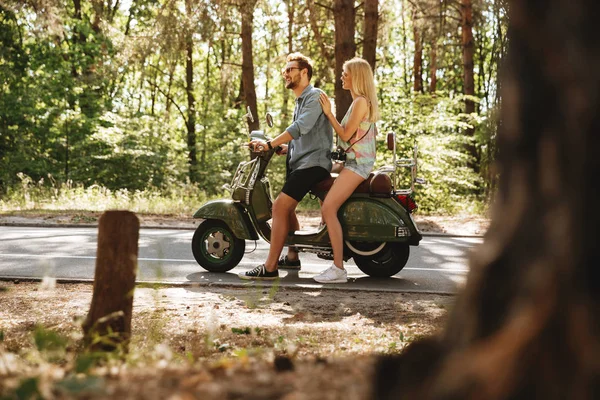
x=288 y=70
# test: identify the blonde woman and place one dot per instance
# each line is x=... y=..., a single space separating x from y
x=356 y=133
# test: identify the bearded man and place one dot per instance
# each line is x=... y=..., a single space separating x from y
x=307 y=142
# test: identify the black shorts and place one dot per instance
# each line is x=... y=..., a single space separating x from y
x=299 y=182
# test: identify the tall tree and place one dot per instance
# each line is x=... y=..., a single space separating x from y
x=371 y=24
x=345 y=48
x=526 y=324
x=189 y=90
x=290 y=11
x=417 y=57
x=468 y=50
x=247 y=11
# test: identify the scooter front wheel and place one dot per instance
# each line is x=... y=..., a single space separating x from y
x=388 y=261
x=215 y=247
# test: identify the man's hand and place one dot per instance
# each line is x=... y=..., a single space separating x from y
x=282 y=149
x=258 y=145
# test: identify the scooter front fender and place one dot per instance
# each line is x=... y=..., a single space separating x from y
x=233 y=214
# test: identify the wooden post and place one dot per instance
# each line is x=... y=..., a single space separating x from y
x=108 y=323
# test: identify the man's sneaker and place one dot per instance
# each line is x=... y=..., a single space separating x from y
x=332 y=274
x=286 y=263
x=259 y=273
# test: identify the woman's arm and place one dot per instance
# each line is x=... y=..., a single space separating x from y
x=360 y=110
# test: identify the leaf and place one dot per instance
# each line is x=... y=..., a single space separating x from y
x=28 y=389
x=46 y=339
x=86 y=384
x=241 y=331
x=84 y=362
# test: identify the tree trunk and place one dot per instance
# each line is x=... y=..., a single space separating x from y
x=468 y=76
x=370 y=32
x=285 y=119
x=405 y=74
x=191 y=100
x=315 y=25
x=433 y=67
x=417 y=59
x=345 y=49
x=108 y=323
x=527 y=323
x=247 y=10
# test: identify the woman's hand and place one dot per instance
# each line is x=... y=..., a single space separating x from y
x=325 y=104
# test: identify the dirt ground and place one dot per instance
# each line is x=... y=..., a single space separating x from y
x=255 y=342
x=214 y=342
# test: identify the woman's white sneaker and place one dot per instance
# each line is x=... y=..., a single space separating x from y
x=332 y=274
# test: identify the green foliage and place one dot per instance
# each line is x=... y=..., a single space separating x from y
x=48 y=340
x=28 y=389
x=99 y=103
x=435 y=124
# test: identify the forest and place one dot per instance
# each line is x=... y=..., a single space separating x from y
x=147 y=96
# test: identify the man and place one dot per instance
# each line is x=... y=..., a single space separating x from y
x=308 y=162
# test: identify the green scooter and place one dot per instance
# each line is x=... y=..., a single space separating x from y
x=376 y=220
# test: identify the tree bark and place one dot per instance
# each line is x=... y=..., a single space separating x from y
x=345 y=49
x=468 y=47
x=285 y=119
x=433 y=67
x=191 y=100
x=527 y=323
x=370 y=32
x=108 y=323
x=315 y=24
x=247 y=10
x=417 y=59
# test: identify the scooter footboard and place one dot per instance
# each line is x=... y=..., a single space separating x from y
x=233 y=214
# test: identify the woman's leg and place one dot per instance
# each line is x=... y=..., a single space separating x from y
x=342 y=188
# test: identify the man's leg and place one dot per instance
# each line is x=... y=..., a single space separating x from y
x=283 y=207
x=292 y=253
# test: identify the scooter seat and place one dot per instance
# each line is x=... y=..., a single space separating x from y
x=377 y=184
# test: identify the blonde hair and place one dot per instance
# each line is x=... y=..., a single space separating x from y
x=363 y=84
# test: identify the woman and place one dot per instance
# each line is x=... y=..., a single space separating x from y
x=356 y=134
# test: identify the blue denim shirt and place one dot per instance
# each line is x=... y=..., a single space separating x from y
x=311 y=131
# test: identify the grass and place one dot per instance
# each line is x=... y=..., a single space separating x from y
x=51 y=196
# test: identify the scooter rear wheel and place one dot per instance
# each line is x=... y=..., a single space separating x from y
x=387 y=262
x=215 y=247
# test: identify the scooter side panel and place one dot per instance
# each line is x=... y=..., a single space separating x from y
x=232 y=214
x=377 y=219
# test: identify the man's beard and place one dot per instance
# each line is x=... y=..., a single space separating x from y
x=293 y=84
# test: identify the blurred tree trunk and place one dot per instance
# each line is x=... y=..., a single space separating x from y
x=247 y=10
x=191 y=100
x=345 y=48
x=527 y=326
x=433 y=67
x=370 y=32
x=285 y=119
x=316 y=24
x=418 y=62
x=468 y=52
x=417 y=56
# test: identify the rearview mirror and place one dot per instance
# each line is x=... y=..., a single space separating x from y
x=269 y=119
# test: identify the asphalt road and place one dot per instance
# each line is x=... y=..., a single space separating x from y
x=437 y=265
